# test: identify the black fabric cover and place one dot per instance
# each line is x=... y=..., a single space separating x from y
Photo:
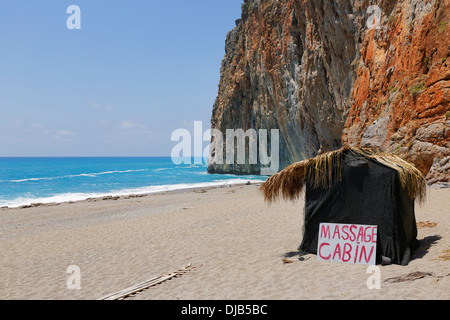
x=370 y=193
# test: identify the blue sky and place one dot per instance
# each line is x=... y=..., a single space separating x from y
x=136 y=71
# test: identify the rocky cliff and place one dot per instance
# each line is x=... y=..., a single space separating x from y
x=328 y=73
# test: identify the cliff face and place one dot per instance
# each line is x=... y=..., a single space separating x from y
x=400 y=99
x=317 y=72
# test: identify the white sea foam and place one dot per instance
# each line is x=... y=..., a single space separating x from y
x=93 y=175
x=67 y=197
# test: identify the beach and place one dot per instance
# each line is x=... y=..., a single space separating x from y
x=241 y=247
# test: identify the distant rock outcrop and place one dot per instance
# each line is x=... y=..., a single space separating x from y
x=317 y=71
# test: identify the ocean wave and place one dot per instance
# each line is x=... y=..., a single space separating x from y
x=161 y=169
x=92 y=175
x=67 y=197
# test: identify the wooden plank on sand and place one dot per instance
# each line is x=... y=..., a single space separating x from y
x=122 y=294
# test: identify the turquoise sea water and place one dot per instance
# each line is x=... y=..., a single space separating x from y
x=43 y=180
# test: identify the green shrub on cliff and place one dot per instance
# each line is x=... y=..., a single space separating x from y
x=417 y=88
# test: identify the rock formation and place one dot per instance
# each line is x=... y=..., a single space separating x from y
x=328 y=73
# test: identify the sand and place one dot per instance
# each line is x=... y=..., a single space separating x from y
x=242 y=248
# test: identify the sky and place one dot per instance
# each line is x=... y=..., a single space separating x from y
x=119 y=86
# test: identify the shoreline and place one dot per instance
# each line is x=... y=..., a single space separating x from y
x=243 y=248
x=119 y=195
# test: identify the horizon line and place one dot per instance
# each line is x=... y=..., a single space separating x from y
x=3 y=157
x=85 y=157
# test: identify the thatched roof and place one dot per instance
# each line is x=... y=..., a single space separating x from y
x=326 y=169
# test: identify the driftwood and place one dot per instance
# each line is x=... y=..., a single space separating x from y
x=122 y=294
x=410 y=277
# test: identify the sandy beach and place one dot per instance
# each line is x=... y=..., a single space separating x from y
x=242 y=248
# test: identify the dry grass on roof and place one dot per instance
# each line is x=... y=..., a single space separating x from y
x=326 y=169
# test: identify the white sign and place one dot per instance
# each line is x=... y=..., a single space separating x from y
x=348 y=243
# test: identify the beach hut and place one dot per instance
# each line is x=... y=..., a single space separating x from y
x=355 y=186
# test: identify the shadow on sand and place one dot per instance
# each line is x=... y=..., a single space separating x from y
x=425 y=244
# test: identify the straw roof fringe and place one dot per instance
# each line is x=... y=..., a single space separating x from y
x=326 y=169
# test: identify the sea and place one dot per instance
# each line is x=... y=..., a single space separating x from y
x=25 y=181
